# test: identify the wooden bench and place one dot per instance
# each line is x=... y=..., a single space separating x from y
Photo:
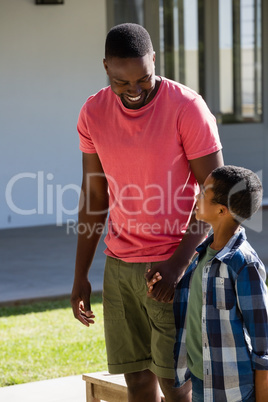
x=103 y=386
x=106 y=387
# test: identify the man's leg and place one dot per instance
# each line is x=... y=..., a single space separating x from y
x=143 y=386
x=182 y=394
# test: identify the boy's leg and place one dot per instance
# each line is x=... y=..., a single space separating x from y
x=197 y=389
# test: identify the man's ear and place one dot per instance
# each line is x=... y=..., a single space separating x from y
x=105 y=65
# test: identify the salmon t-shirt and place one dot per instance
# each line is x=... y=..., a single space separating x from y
x=145 y=155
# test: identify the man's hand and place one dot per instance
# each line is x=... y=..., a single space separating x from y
x=163 y=290
x=80 y=301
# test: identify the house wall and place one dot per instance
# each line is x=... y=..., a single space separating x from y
x=51 y=61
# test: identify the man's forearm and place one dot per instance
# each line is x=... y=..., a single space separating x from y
x=195 y=234
x=93 y=224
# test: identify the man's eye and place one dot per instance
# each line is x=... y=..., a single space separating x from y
x=146 y=79
x=120 y=84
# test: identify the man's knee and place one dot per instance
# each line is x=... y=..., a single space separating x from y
x=140 y=379
x=171 y=393
x=143 y=385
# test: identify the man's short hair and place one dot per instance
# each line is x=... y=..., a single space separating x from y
x=128 y=40
x=239 y=189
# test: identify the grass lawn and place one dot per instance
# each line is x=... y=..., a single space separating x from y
x=43 y=340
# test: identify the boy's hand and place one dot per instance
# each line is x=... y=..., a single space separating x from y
x=261 y=385
x=163 y=291
x=150 y=284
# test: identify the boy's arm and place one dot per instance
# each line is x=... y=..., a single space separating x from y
x=261 y=385
x=252 y=297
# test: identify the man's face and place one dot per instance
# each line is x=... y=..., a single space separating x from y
x=132 y=79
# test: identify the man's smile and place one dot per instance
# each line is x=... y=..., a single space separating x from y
x=137 y=98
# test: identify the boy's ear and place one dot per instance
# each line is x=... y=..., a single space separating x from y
x=223 y=210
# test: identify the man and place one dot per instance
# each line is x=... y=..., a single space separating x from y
x=150 y=141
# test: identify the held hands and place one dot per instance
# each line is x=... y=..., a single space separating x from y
x=80 y=301
x=157 y=277
x=162 y=280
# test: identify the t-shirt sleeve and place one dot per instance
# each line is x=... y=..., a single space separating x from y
x=86 y=144
x=198 y=129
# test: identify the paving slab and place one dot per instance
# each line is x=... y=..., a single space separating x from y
x=38 y=262
x=65 y=389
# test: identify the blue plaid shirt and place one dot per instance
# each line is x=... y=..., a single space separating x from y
x=234 y=321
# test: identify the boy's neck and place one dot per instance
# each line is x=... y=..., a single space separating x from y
x=223 y=233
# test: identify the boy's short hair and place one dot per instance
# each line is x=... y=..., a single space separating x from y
x=128 y=40
x=239 y=189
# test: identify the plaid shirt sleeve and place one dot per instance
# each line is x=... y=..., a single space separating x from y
x=252 y=301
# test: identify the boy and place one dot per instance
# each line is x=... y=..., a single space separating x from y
x=221 y=304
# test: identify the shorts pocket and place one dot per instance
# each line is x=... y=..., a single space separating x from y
x=113 y=306
x=223 y=293
x=160 y=312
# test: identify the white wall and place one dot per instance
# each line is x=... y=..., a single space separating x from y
x=51 y=61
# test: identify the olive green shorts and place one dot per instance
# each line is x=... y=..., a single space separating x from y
x=139 y=331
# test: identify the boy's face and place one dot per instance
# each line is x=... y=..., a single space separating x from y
x=206 y=210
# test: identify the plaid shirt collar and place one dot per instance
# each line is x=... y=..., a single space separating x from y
x=226 y=253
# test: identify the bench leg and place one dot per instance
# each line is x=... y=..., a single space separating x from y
x=90 y=393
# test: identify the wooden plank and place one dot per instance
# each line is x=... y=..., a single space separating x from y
x=106 y=387
x=117 y=381
x=109 y=394
x=90 y=393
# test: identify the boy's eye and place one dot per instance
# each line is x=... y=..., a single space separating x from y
x=202 y=190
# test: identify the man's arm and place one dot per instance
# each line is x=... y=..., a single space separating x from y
x=173 y=269
x=93 y=208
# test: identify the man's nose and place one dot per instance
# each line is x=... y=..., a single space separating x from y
x=134 y=88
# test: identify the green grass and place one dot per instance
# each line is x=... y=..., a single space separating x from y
x=43 y=340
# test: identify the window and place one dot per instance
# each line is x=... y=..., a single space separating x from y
x=240 y=60
x=128 y=11
x=179 y=44
x=187 y=41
